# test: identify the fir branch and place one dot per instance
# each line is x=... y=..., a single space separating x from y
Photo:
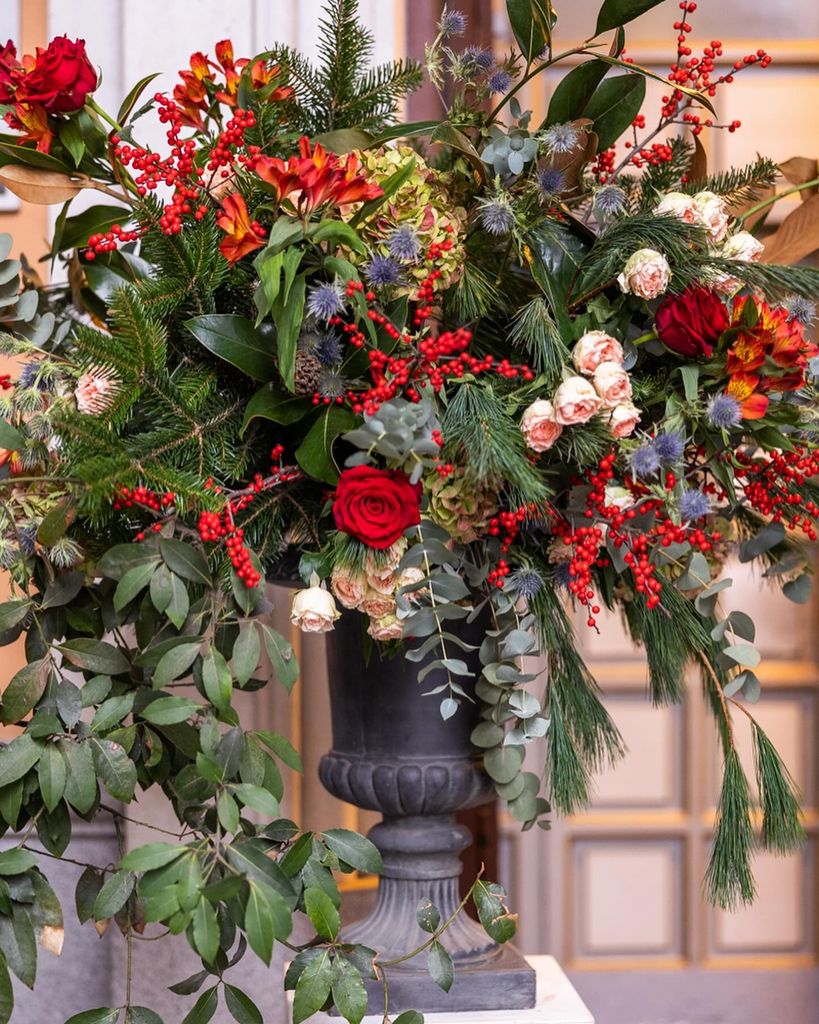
x=737 y=185
x=477 y=421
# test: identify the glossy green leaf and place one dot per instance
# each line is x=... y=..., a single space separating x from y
x=170 y=710
x=12 y=613
x=95 y=656
x=205 y=930
x=259 y=923
x=175 y=663
x=246 y=653
x=102 y=1015
x=81 y=780
x=313 y=987
x=10 y=438
x=114 y=894
x=349 y=993
x=6 y=992
x=52 y=775
x=439 y=965
x=241 y=1007
x=282 y=660
x=133 y=583
x=186 y=561
x=613 y=107
x=18 y=757
x=152 y=856
x=116 y=770
x=204 y=1007
x=615 y=13
x=354 y=849
x=16 y=861
x=322 y=913
x=272 y=403
x=236 y=340
x=24 y=691
x=573 y=92
x=257 y=799
x=315 y=453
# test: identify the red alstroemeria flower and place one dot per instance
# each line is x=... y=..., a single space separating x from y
x=316 y=178
x=743 y=387
x=746 y=354
x=192 y=94
x=775 y=341
x=262 y=76
x=242 y=235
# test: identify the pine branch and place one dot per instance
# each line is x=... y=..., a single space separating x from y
x=728 y=880
x=782 y=830
x=534 y=330
x=582 y=738
x=777 y=282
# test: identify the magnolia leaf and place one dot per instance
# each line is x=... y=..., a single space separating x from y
x=799 y=170
x=796 y=237
x=33 y=185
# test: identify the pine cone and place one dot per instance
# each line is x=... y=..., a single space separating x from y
x=308 y=373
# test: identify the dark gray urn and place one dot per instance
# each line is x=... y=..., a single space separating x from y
x=393 y=753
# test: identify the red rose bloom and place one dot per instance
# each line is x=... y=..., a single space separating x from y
x=60 y=78
x=10 y=70
x=375 y=505
x=690 y=324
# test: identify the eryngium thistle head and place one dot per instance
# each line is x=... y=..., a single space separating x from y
x=404 y=245
x=496 y=215
x=331 y=384
x=693 y=505
x=499 y=81
x=324 y=301
x=526 y=582
x=9 y=553
x=64 y=553
x=669 y=448
x=724 y=412
x=561 y=138
x=27 y=536
x=452 y=23
x=645 y=461
x=801 y=309
x=328 y=349
x=480 y=58
x=550 y=181
x=382 y=270
x=609 y=200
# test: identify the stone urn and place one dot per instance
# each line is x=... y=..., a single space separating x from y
x=393 y=753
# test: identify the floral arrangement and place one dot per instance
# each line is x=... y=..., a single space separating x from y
x=431 y=370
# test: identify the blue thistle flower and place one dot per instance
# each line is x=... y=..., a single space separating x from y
x=28 y=375
x=27 y=535
x=724 y=412
x=693 y=505
x=563 y=576
x=551 y=181
x=481 y=58
x=669 y=448
x=324 y=301
x=328 y=349
x=609 y=200
x=645 y=461
x=497 y=216
x=382 y=270
x=499 y=80
x=404 y=244
x=331 y=383
x=452 y=23
x=561 y=138
x=801 y=309
x=527 y=582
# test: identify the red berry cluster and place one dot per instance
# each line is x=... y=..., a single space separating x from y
x=585 y=543
x=221 y=526
x=425 y=296
x=6 y=381
x=144 y=498
x=108 y=241
x=772 y=487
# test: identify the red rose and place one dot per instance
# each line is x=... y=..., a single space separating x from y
x=375 y=505
x=61 y=78
x=10 y=71
x=689 y=324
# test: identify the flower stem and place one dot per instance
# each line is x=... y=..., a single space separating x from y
x=765 y=203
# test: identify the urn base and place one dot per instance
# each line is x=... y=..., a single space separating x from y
x=507 y=982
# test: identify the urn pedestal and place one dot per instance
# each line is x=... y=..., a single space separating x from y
x=392 y=752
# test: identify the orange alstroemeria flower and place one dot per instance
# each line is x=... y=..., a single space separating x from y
x=241 y=234
x=743 y=387
x=746 y=354
x=316 y=178
x=32 y=120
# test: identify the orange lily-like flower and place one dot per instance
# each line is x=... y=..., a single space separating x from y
x=242 y=235
x=743 y=387
x=316 y=178
x=32 y=120
x=192 y=94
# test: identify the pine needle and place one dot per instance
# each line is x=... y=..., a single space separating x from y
x=782 y=830
x=728 y=880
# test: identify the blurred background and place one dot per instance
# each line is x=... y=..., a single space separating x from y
x=615 y=893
